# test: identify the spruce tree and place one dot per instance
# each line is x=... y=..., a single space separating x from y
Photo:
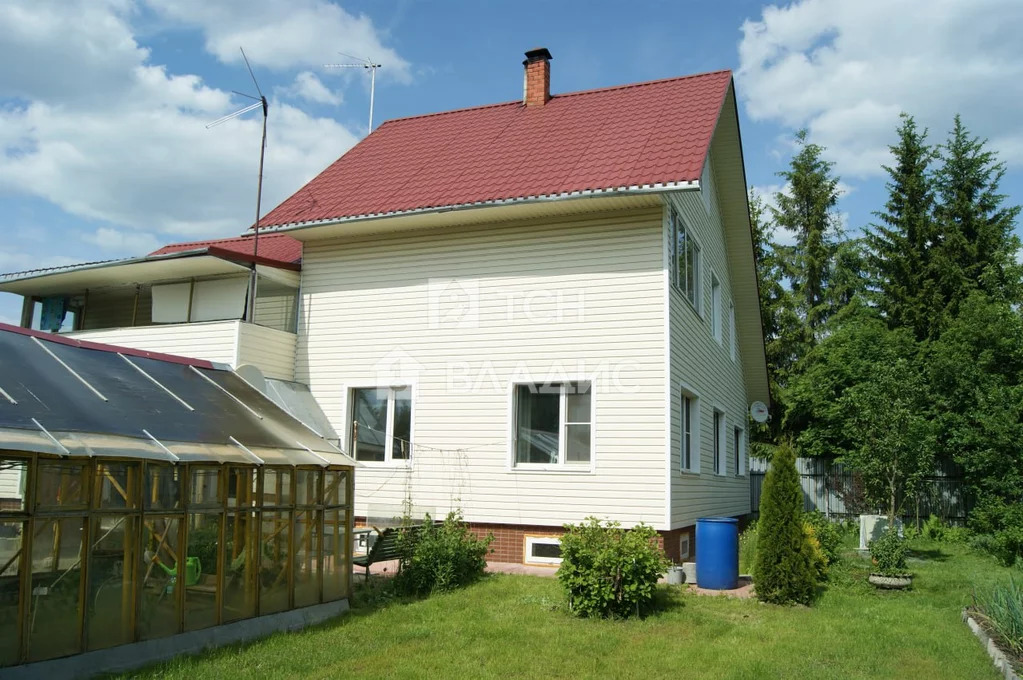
x=807 y=210
x=783 y=571
x=775 y=314
x=974 y=247
x=899 y=245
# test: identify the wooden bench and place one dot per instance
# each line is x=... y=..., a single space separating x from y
x=385 y=547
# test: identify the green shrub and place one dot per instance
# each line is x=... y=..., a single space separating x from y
x=609 y=571
x=783 y=571
x=1004 y=523
x=748 y=549
x=828 y=534
x=933 y=528
x=888 y=553
x=439 y=556
x=1001 y=607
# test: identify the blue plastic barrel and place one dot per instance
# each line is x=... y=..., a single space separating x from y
x=717 y=553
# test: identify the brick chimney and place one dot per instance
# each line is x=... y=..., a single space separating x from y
x=536 y=87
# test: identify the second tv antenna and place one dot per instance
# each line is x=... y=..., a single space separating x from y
x=362 y=63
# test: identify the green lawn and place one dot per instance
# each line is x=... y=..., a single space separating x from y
x=517 y=626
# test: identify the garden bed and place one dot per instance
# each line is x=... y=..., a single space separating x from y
x=1007 y=663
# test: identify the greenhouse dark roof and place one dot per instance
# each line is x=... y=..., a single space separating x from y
x=68 y=397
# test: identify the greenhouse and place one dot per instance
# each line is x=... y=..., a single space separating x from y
x=146 y=497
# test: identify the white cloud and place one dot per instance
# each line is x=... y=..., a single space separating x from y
x=307 y=86
x=283 y=35
x=845 y=70
x=97 y=129
x=133 y=243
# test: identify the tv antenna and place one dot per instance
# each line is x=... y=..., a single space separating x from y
x=363 y=63
x=260 y=102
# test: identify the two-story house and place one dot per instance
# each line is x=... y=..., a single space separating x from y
x=534 y=311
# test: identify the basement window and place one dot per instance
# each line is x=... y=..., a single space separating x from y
x=543 y=550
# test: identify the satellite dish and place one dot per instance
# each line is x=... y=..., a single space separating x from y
x=758 y=411
x=252 y=376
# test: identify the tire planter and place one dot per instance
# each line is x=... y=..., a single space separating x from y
x=896 y=582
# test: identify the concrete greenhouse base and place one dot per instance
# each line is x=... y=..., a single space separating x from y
x=134 y=655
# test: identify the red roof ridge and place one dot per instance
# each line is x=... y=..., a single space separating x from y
x=596 y=90
x=644 y=83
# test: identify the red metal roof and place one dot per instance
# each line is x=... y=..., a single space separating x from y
x=632 y=135
x=278 y=249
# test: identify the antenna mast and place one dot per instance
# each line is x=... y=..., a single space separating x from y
x=260 y=102
x=363 y=63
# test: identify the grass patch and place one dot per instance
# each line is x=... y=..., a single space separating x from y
x=519 y=626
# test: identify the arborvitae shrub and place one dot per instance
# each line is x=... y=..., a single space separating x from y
x=783 y=572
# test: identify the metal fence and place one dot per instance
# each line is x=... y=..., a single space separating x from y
x=831 y=489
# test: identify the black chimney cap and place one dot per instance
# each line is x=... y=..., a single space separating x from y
x=537 y=54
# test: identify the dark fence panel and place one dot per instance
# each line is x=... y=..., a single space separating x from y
x=831 y=489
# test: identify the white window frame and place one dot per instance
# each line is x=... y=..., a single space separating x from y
x=716 y=323
x=684 y=547
x=527 y=553
x=739 y=449
x=694 y=435
x=719 y=441
x=562 y=466
x=675 y=222
x=389 y=460
x=733 y=341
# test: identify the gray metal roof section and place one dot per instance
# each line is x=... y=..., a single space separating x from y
x=73 y=400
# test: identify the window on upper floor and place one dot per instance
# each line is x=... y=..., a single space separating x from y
x=382 y=424
x=553 y=424
x=685 y=260
x=715 y=306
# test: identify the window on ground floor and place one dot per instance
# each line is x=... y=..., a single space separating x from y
x=739 y=453
x=720 y=462
x=553 y=424
x=381 y=424
x=690 y=428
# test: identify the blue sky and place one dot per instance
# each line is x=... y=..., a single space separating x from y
x=103 y=103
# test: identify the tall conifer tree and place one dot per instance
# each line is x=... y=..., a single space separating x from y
x=899 y=245
x=807 y=210
x=974 y=246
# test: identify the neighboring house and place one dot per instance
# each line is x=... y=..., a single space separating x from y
x=539 y=311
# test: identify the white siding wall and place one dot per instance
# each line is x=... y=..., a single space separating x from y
x=366 y=320
x=271 y=350
x=213 y=341
x=707 y=368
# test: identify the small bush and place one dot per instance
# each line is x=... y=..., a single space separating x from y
x=828 y=534
x=748 y=549
x=609 y=571
x=888 y=553
x=1001 y=607
x=783 y=572
x=933 y=528
x=439 y=556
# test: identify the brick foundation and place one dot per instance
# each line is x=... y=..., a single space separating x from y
x=510 y=539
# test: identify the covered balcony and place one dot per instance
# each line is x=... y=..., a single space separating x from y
x=214 y=300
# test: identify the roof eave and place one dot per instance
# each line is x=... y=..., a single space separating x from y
x=659 y=187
